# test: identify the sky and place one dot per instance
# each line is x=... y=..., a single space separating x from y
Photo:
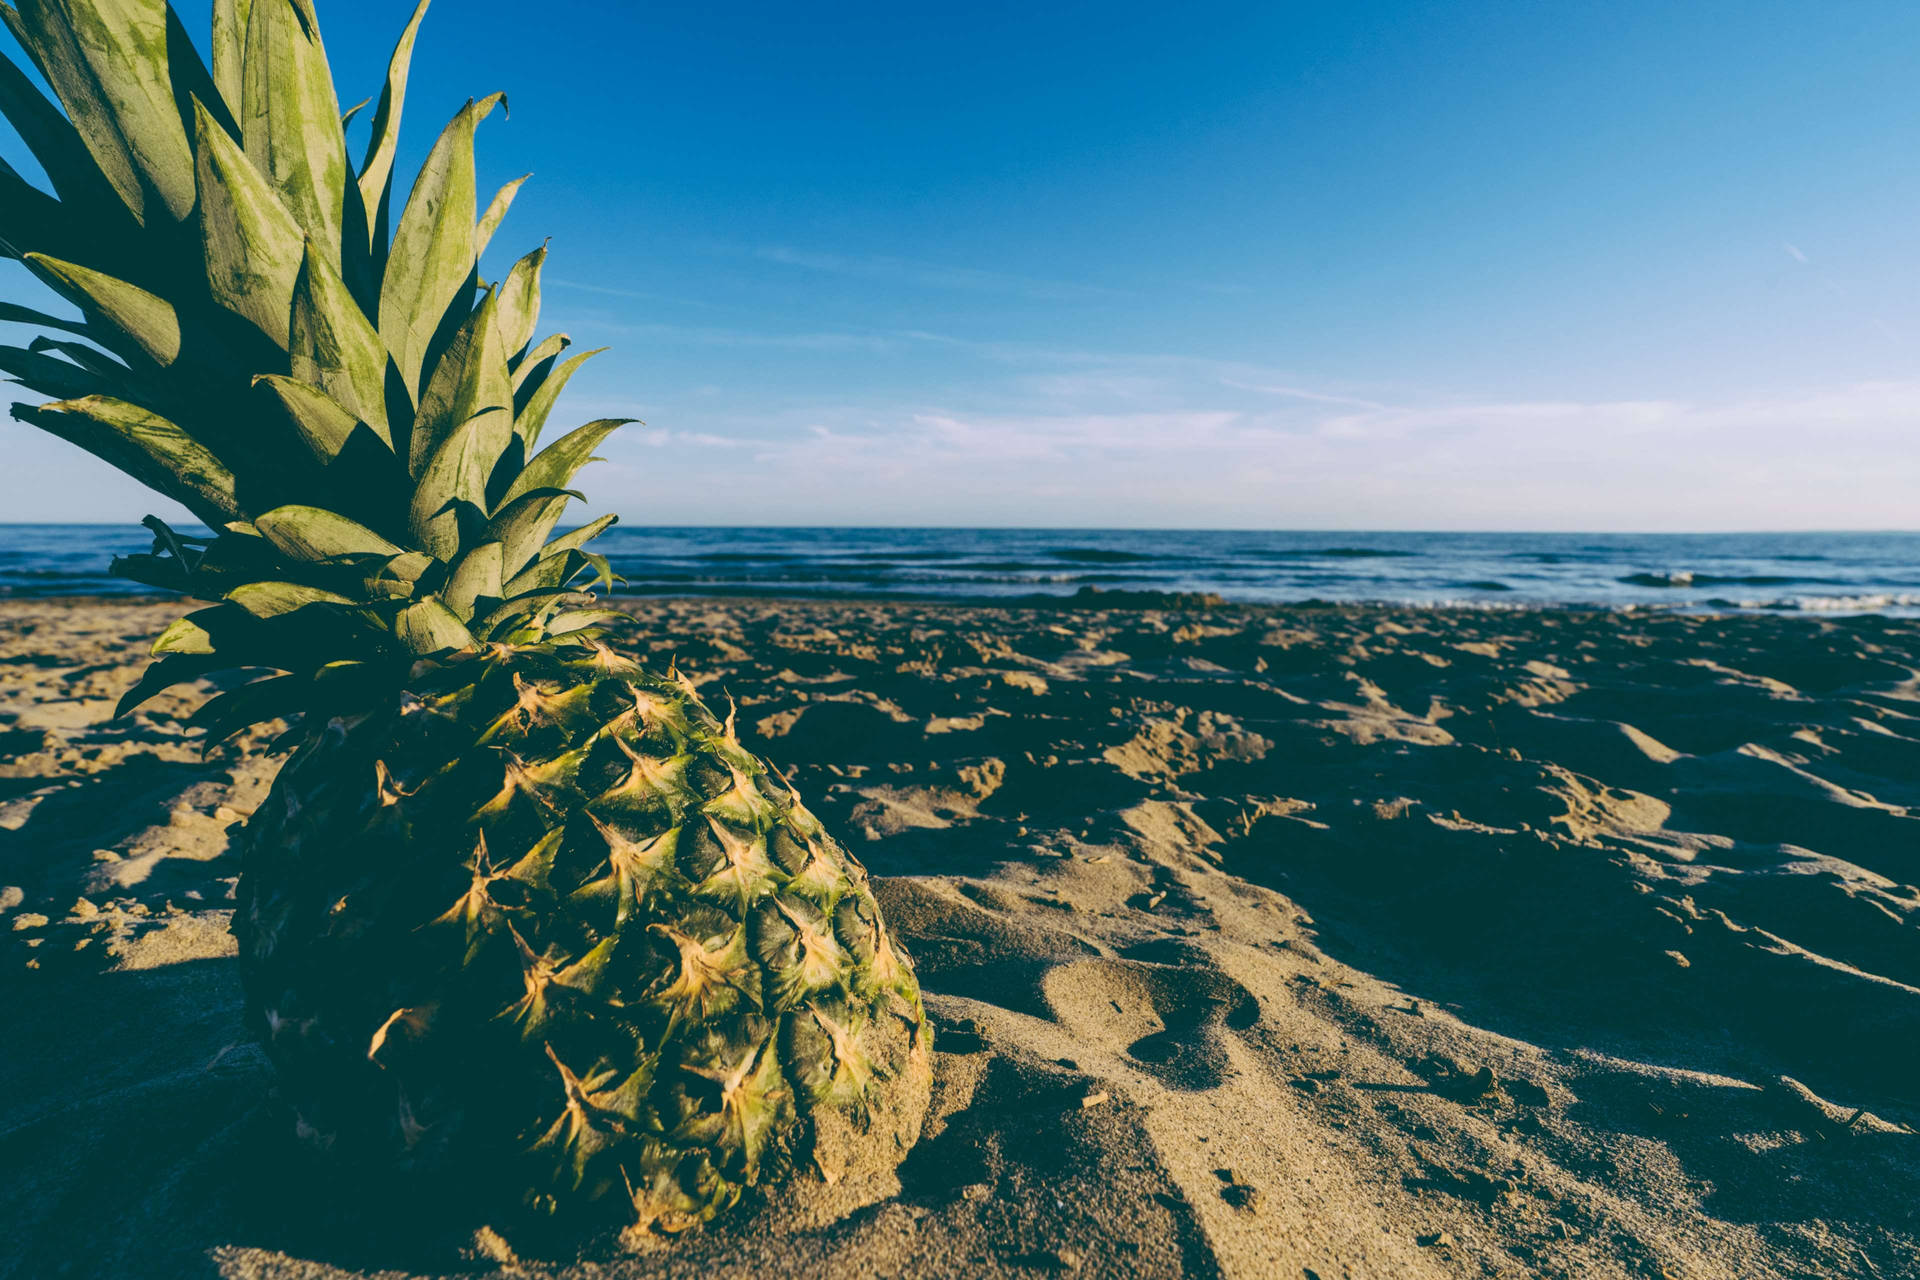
x=1613 y=266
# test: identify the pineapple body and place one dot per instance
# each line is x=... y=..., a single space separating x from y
x=542 y=915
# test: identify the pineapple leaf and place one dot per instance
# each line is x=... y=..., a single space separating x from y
x=399 y=577
x=544 y=574
x=147 y=447
x=189 y=634
x=107 y=60
x=432 y=255
x=332 y=344
x=50 y=136
x=475 y=577
x=145 y=318
x=574 y=620
x=516 y=609
x=160 y=676
x=428 y=626
x=29 y=216
x=555 y=466
x=532 y=419
x=290 y=120
x=578 y=538
x=61 y=379
x=496 y=214
x=376 y=171
x=230 y=19
x=86 y=357
x=522 y=526
x=520 y=303
x=12 y=313
x=276 y=599
x=528 y=365
x=469 y=378
x=314 y=534
x=225 y=714
x=323 y=425
x=451 y=495
x=253 y=246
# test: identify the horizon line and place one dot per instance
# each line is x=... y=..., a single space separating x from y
x=1078 y=528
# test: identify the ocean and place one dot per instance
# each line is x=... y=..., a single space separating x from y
x=1818 y=572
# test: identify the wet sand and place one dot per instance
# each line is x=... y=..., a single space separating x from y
x=1260 y=942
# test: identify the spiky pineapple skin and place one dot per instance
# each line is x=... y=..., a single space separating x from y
x=542 y=915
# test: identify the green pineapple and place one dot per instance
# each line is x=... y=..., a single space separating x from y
x=515 y=904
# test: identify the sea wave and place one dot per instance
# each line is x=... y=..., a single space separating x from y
x=1688 y=578
x=1868 y=602
x=1324 y=553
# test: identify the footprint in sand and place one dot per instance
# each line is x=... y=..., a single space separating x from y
x=1164 y=1008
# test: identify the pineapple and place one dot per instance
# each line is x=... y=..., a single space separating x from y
x=517 y=909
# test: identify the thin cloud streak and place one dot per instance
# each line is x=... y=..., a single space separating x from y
x=927 y=275
x=1829 y=460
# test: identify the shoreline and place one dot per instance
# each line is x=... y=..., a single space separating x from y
x=1369 y=940
x=1095 y=600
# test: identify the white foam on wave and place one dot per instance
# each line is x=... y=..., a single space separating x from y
x=1870 y=603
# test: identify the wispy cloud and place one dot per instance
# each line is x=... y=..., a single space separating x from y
x=927 y=275
x=637 y=295
x=1302 y=393
x=1840 y=458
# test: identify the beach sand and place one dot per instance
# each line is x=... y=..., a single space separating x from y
x=1287 y=942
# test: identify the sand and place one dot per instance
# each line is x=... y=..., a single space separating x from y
x=1261 y=942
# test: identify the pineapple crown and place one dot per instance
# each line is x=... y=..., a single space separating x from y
x=349 y=408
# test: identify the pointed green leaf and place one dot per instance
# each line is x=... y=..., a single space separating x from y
x=475 y=577
x=311 y=533
x=554 y=466
x=229 y=50
x=520 y=302
x=173 y=669
x=30 y=218
x=399 y=578
x=225 y=714
x=107 y=62
x=533 y=419
x=528 y=365
x=143 y=317
x=470 y=376
x=13 y=313
x=516 y=610
x=560 y=559
x=323 y=425
x=332 y=345
x=428 y=626
x=522 y=526
x=453 y=484
x=60 y=379
x=561 y=624
x=186 y=635
x=147 y=447
x=546 y=573
x=290 y=120
x=496 y=214
x=276 y=599
x=432 y=255
x=253 y=246
x=376 y=171
x=94 y=361
x=51 y=137
x=575 y=539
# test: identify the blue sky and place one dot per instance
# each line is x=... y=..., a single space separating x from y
x=1382 y=265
